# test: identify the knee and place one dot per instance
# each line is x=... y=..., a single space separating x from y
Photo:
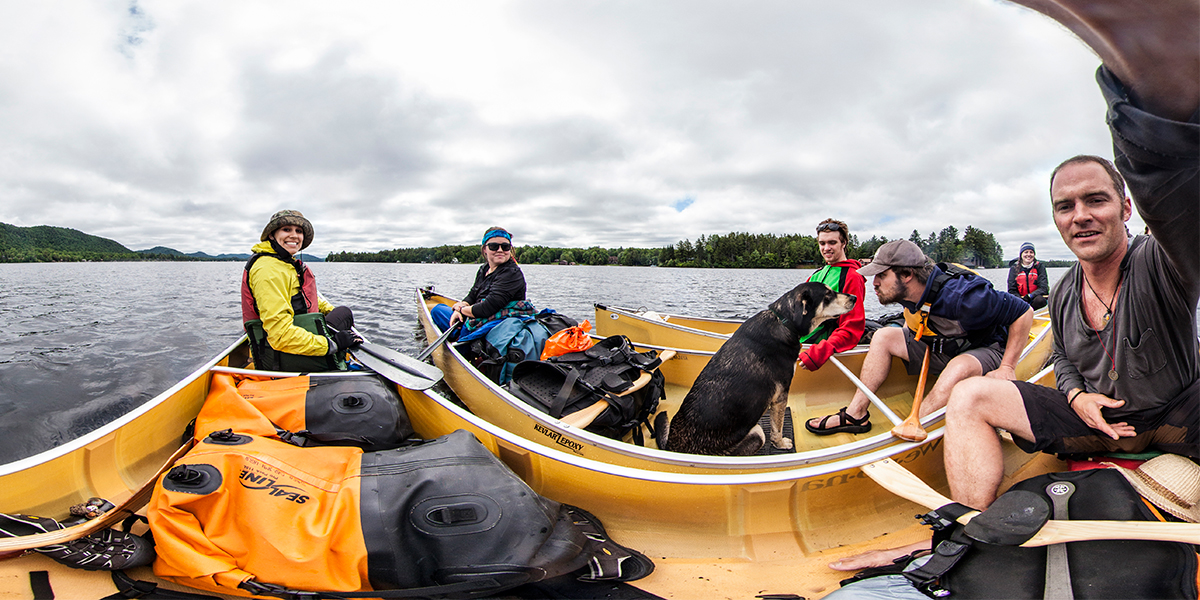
x=969 y=397
x=887 y=339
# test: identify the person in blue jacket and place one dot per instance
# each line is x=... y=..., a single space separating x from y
x=972 y=329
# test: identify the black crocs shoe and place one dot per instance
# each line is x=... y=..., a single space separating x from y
x=104 y=550
x=610 y=561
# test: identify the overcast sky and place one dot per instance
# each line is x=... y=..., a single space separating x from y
x=571 y=123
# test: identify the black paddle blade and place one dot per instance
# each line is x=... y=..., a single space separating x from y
x=1011 y=520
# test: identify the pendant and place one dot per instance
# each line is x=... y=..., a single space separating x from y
x=1112 y=374
x=1105 y=319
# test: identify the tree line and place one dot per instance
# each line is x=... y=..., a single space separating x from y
x=733 y=250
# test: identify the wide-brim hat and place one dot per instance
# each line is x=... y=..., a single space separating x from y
x=896 y=253
x=1171 y=482
x=288 y=217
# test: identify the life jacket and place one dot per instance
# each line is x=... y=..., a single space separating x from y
x=835 y=278
x=305 y=316
x=1026 y=279
x=304 y=300
x=945 y=336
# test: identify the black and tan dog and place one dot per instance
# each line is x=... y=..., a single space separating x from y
x=751 y=372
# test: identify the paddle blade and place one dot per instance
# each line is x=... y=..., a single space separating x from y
x=1011 y=520
x=401 y=369
x=910 y=430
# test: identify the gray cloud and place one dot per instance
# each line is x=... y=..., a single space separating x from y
x=571 y=123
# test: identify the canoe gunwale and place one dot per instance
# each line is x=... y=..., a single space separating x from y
x=667 y=324
x=116 y=424
x=879 y=442
x=699 y=479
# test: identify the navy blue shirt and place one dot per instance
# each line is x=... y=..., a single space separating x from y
x=982 y=313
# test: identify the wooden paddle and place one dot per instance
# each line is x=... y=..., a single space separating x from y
x=903 y=483
x=910 y=430
x=114 y=515
x=583 y=418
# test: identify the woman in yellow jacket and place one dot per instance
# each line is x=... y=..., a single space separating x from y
x=291 y=327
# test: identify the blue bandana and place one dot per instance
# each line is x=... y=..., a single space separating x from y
x=497 y=233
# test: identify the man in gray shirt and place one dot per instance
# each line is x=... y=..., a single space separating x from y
x=1124 y=318
x=1129 y=307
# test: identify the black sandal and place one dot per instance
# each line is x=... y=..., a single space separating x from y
x=848 y=424
x=610 y=561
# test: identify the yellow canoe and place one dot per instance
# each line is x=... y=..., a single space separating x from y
x=744 y=533
x=699 y=333
x=812 y=393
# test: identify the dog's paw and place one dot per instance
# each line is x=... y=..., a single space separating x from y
x=782 y=443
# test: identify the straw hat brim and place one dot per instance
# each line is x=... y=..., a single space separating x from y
x=1169 y=481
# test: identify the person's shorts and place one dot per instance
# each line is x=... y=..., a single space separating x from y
x=1058 y=430
x=989 y=357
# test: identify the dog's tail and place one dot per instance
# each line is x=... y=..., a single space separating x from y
x=661 y=424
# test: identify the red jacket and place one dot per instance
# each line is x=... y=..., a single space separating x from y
x=850 y=326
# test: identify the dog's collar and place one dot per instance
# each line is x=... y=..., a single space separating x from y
x=786 y=322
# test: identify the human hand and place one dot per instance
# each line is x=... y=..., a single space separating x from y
x=1087 y=405
x=877 y=558
x=1004 y=372
x=344 y=340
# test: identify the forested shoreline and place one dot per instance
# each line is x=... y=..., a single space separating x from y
x=734 y=250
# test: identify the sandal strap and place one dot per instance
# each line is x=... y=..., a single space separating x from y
x=849 y=420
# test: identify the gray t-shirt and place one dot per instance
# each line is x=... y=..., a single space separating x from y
x=1152 y=334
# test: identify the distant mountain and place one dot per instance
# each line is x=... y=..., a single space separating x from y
x=45 y=243
x=163 y=250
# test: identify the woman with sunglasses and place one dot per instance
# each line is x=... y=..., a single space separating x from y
x=499 y=288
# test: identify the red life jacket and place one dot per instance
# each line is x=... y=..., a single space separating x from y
x=304 y=301
x=1027 y=279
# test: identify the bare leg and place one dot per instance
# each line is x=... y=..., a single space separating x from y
x=959 y=368
x=1153 y=46
x=974 y=460
x=886 y=343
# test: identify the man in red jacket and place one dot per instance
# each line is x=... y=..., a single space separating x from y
x=840 y=274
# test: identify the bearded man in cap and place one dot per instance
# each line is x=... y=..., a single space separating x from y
x=291 y=327
x=970 y=328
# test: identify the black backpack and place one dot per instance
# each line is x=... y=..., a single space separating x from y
x=561 y=385
x=968 y=569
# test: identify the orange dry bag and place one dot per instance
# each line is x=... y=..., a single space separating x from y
x=243 y=514
x=571 y=339
x=340 y=409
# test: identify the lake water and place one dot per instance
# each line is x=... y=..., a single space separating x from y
x=83 y=343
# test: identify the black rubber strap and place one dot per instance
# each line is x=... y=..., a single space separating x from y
x=945 y=555
x=39 y=582
x=128 y=587
x=564 y=394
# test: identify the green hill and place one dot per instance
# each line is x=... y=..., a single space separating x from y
x=45 y=243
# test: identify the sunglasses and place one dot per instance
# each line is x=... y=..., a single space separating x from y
x=501 y=246
x=828 y=227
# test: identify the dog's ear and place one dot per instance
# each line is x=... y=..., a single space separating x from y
x=806 y=302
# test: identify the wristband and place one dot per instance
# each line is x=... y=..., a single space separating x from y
x=1073 y=397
